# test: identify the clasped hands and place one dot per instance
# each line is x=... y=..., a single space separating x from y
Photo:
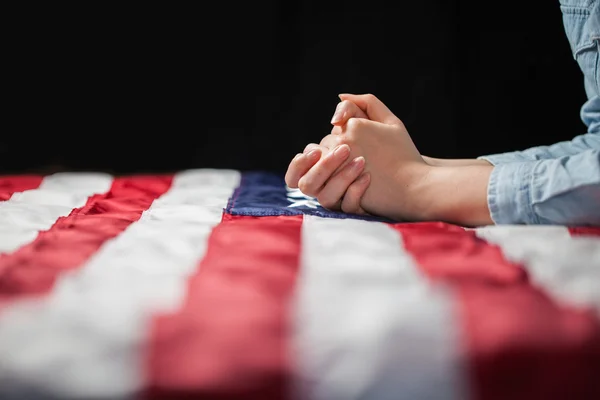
x=369 y=164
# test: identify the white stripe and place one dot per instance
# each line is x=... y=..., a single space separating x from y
x=86 y=339
x=567 y=267
x=367 y=323
x=26 y=213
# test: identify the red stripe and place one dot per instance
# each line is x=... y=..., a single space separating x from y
x=18 y=183
x=230 y=339
x=33 y=268
x=584 y=231
x=521 y=344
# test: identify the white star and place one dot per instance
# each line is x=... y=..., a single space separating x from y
x=299 y=199
x=296 y=194
x=305 y=203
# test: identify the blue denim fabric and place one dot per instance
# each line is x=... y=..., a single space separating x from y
x=560 y=183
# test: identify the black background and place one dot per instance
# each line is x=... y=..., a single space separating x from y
x=246 y=86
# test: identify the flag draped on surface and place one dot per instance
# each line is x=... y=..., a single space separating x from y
x=226 y=285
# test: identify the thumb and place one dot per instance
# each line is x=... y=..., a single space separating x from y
x=373 y=107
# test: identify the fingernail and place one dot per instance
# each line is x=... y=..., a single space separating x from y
x=358 y=163
x=298 y=156
x=313 y=154
x=342 y=150
x=337 y=117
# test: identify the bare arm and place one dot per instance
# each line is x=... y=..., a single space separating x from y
x=455 y=194
x=441 y=162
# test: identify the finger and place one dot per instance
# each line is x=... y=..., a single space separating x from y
x=373 y=107
x=331 y=142
x=312 y=146
x=312 y=182
x=354 y=194
x=332 y=193
x=300 y=165
x=346 y=110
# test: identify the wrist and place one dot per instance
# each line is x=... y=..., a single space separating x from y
x=431 y=161
x=453 y=194
x=412 y=185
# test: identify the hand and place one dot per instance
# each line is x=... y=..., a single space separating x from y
x=404 y=186
x=453 y=191
x=336 y=180
x=346 y=110
x=328 y=172
x=395 y=165
x=336 y=184
x=322 y=177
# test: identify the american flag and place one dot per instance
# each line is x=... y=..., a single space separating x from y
x=223 y=284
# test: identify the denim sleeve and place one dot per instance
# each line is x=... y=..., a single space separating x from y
x=560 y=191
x=579 y=144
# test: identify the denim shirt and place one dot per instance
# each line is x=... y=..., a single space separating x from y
x=560 y=183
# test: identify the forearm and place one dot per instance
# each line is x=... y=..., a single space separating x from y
x=440 y=162
x=454 y=194
x=562 y=191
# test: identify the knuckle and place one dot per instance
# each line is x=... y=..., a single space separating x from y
x=310 y=146
x=303 y=185
x=370 y=97
x=350 y=138
x=330 y=141
x=326 y=202
x=351 y=203
x=354 y=124
x=306 y=186
x=349 y=208
x=349 y=173
x=296 y=165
